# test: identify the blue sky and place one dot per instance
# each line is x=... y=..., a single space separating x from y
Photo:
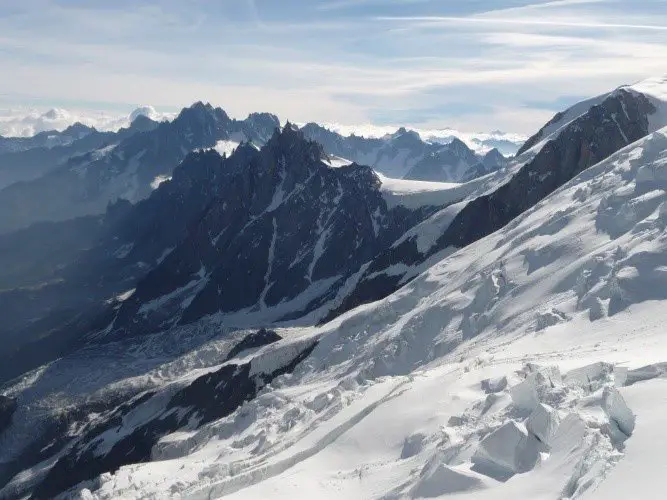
x=470 y=64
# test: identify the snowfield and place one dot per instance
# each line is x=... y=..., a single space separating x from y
x=414 y=194
x=531 y=364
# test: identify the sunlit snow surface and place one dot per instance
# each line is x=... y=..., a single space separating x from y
x=443 y=387
x=531 y=364
x=392 y=402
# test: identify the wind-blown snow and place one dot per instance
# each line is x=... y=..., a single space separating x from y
x=155 y=183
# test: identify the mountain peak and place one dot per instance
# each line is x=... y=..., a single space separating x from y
x=290 y=142
x=264 y=119
x=143 y=123
x=147 y=111
x=202 y=105
x=202 y=115
x=78 y=129
x=403 y=132
x=457 y=143
x=494 y=153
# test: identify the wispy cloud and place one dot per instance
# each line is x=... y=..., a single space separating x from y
x=494 y=21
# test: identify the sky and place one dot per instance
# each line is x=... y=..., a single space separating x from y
x=474 y=65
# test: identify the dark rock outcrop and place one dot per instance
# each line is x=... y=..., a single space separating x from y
x=254 y=340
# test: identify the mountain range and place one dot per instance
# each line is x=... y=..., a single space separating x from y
x=212 y=307
x=65 y=177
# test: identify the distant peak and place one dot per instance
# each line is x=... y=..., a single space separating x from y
x=201 y=105
x=291 y=140
x=141 y=118
x=493 y=153
x=290 y=128
x=144 y=110
x=458 y=145
x=56 y=114
x=77 y=128
x=198 y=107
x=403 y=133
x=143 y=123
x=203 y=111
x=264 y=116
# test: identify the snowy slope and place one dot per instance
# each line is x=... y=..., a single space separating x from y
x=473 y=379
x=407 y=409
x=433 y=391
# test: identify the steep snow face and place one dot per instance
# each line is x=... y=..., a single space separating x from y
x=475 y=378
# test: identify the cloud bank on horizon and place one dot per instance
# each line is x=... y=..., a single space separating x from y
x=473 y=65
x=22 y=122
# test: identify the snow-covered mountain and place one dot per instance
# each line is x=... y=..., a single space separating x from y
x=27 y=159
x=517 y=348
x=125 y=167
x=573 y=141
x=79 y=171
x=47 y=139
x=283 y=234
x=25 y=123
x=453 y=162
x=404 y=154
x=259 y=236
x=478 y=384
x=480 y=142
